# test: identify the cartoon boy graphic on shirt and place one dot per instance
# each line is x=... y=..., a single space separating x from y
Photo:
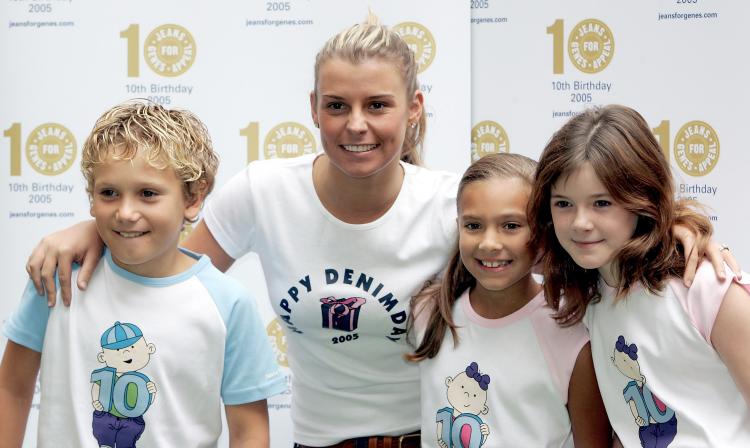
x=657 y=423
x=120 y=394
x=460 y=425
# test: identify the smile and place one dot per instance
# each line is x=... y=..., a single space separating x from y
x=586 y=243
x=129 y=361
x=130 y=234
x=495 y=264
x=358 y=148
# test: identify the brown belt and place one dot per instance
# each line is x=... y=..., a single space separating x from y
x=405 y=441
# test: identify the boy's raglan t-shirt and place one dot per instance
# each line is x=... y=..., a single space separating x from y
x=196 y=339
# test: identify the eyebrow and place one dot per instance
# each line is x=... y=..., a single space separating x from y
x=591 y=196
x=373 y=97
x=520 y=216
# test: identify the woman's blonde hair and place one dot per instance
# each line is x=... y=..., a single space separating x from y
x=373 y=40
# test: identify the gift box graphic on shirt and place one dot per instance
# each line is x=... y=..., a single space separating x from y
x=341 y=314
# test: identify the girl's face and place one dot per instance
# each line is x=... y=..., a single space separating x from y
x=363 y=112
x=590 y=225
x=493 y=236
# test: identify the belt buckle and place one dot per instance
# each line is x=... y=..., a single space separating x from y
x=406 y=436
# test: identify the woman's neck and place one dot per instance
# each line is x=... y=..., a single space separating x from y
x=356 y=200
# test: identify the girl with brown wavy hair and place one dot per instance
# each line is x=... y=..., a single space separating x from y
x=670 y=360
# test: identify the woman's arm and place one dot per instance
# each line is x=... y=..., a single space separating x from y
x=587 y=415
x=202 y=241
x=693 y=231
x=81 y=244
x=248 y=425
x=18 y=373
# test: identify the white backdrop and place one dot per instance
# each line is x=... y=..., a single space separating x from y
x=680 y=63
x=246 y=69
x=499 y=75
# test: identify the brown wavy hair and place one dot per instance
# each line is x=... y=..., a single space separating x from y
x=628 y=160
x=437 y=299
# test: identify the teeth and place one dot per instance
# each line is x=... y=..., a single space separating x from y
x=358 y=148
x=130 y=234
x=494 y=264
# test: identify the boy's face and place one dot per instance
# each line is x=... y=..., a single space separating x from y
x=128 y=359
x=139 y=212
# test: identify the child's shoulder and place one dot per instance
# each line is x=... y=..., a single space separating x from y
x=565 y=342
x=272 y=166
x=221 y=286
x=424 y=303
x=702 y=300
x=705 y=282
x=440 y=183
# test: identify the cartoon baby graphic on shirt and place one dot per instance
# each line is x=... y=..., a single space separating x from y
x=657 y=423
x=460 y=426
x=120 y=394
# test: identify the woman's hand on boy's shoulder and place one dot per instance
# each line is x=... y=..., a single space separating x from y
x=57 y=252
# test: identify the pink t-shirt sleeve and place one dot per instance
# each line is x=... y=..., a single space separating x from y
x=560 y=347
x=425 y=304
x=704 y=297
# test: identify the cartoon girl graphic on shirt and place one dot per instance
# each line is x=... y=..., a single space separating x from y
x=459 y=425
x=656 y=421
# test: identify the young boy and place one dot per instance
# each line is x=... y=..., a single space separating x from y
x=148 y=171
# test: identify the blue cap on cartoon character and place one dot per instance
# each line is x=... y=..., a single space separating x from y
x=120 y=335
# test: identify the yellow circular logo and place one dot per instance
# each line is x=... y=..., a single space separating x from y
x=421 y=42
x=488 y=137
x=278 y=341
x=287 y=140
x=169 y=50
x=696 y=148
x=51 y=149
x=591 y=46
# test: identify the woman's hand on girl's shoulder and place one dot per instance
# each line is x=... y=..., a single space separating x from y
x=700 y=246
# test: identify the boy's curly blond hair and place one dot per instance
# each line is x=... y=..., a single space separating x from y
x=168 y=138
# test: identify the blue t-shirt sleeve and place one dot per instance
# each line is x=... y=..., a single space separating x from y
x=248 y=358
x=251 y=372
x=27 y=325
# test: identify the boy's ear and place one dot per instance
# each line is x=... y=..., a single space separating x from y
x=100 y=357
x=194 y=202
